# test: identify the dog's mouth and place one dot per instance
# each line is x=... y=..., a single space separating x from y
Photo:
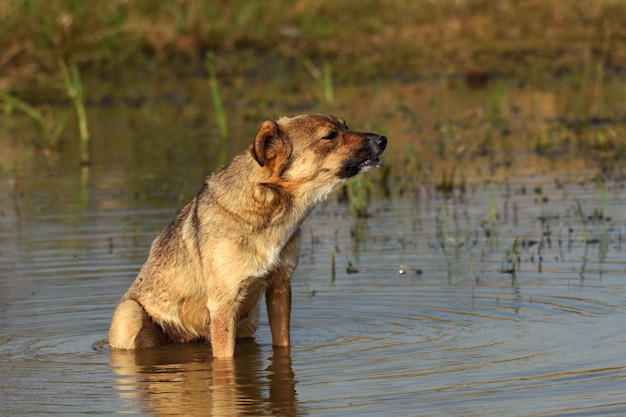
x=352 y=168
x=370 y=164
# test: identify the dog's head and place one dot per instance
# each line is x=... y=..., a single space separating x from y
x=314 y=152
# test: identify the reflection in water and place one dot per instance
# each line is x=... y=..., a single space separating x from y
x=187 y=380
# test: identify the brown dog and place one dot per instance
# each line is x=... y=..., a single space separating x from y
x=239 y=238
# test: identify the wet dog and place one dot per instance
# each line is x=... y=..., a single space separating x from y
x=239 y=238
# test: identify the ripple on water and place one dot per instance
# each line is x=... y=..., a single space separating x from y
x=457 y=342
x=460 y=338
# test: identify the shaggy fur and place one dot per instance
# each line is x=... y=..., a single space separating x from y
x=239 y=239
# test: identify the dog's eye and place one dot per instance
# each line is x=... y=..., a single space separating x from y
x=332 y=135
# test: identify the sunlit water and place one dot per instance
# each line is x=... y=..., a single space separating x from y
x=431 y=321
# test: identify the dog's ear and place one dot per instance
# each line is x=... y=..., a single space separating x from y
x=269 y=144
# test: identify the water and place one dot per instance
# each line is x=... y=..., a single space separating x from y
x=456 y=333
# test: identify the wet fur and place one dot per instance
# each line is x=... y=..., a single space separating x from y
x=239 y=239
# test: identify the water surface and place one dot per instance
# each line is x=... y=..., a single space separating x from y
x=437 y=321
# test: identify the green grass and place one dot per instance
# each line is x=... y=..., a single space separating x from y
x=218 y=108
x=75 y=91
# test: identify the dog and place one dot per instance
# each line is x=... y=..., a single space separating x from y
x=239 y=238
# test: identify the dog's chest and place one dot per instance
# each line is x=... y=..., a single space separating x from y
x=270 y=252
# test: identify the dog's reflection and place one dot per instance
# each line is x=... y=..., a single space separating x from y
x=185 y=380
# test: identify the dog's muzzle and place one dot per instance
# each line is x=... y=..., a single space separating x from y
x=366 y=158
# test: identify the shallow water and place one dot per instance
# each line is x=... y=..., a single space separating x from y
x=434 y=323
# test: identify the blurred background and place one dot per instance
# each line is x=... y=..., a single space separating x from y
x=362 y=40
x=227 y=65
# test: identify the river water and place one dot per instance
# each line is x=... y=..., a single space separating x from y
x=504 y=298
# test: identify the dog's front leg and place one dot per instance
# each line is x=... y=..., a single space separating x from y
x=278 y=299
x=223 y=331
x=278 y=292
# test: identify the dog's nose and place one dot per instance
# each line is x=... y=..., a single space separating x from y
x=379 y=142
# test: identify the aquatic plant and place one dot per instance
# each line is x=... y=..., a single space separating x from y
x=512 y=258
x=74 y=88
x=48 y=127
x=602 y=193
x=488 y=223
x=384 y=180
x=444 y=237
x=583 y=221
x=359 y=193
x=218 y=107
x=409 y=171
x=449 y=130
x=310 y=291
x=446 y=185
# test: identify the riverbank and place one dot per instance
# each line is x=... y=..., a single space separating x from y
x=357 y=40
